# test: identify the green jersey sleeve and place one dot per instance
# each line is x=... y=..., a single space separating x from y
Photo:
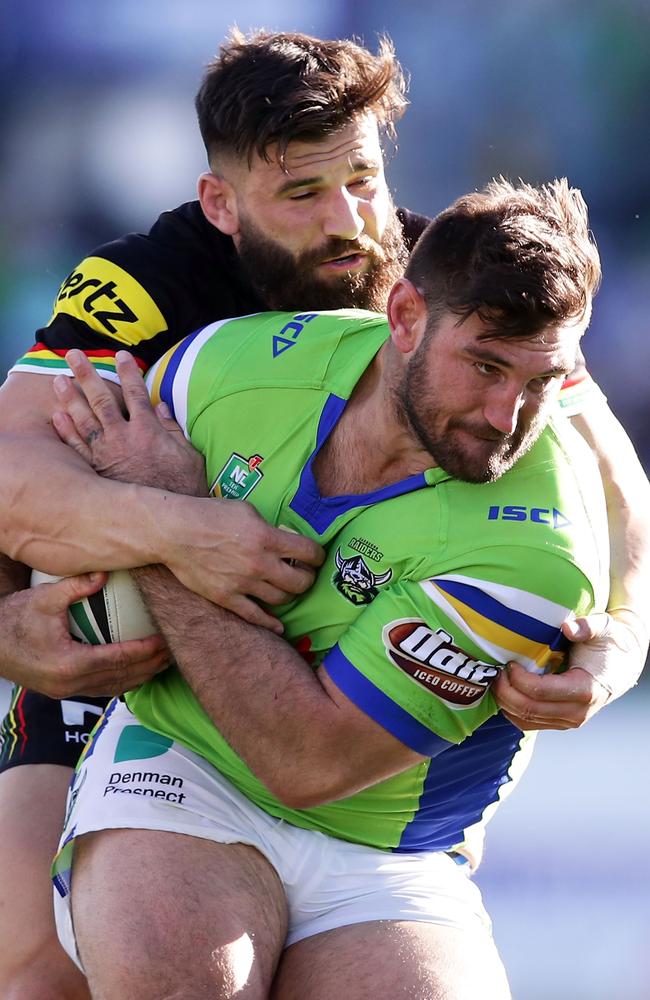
x=420 y=660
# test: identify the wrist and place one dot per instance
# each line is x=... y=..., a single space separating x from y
x=636 y=624
x=165 y=517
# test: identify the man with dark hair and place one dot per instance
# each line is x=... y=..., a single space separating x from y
x=300 y=215
x=396 y=446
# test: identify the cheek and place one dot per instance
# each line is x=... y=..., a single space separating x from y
x=464 y=395
x=294 y=228
x=376 y=214
x=542 y=408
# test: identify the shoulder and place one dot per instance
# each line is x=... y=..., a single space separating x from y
x=145 y=291
x=268 y=348
x=178 y=242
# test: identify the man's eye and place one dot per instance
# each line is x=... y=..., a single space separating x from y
x=485 y=369
x=302 y=195
x=543 y=382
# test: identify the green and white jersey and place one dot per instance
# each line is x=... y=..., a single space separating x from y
x=429 y=586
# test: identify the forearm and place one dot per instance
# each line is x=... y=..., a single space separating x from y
x=58 y=515
x=627 y=493
x=277 y=714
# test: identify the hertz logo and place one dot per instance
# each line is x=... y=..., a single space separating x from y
x=109 y=300
x=93 y=291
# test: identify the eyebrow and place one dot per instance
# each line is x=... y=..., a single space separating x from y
x=485 y=355
x=356 y=167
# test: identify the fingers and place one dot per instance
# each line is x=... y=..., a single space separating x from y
x=279 y=581
x=549 y=701
x=522 y=711
x=165 y=418
x=594 y=626
x=66 y=428
x=253 y=613
x=58 y=596
x=77 y=424
x=120 y=667
x=134 y=390
x=290 y=545
x=573 y=685
x=99 y=395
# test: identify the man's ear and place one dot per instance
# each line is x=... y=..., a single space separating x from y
x=407 y=315
x=219 y=203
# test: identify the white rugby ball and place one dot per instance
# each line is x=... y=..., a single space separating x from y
x=115 y=613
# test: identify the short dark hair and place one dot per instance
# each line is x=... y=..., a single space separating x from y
x=268 y=88
x=520 y=257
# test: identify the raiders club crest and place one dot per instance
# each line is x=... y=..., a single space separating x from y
x=355 y=581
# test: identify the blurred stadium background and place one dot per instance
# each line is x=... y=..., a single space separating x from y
x=98 y=137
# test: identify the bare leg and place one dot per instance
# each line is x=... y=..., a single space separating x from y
x=391 y=960
x=33 y=966
x=161 y=914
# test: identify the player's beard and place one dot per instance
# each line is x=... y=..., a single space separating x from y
x=468 y=451
x=284 y=281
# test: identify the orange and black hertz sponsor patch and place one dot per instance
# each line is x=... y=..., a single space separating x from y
x=110 y=301
x=431 y=658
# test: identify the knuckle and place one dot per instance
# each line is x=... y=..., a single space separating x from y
x=526 y=713
x=303 y=583
x=575 y=722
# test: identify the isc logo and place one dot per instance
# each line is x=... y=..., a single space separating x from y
x=538 y=515
x=290 y=332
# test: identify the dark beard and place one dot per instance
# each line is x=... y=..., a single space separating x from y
x=286 y=282
x=499 y=452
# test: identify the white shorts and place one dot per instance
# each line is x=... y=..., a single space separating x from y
x=133 y=778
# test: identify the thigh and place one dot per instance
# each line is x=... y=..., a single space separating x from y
x=393 y=960
x=32 y=963
x=164 y=914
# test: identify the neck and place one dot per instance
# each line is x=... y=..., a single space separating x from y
x=371 y=446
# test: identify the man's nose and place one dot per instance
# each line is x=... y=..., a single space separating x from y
x=502 y=409
x=342 y=218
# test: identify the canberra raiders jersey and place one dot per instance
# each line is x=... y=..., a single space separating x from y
x=429 y=585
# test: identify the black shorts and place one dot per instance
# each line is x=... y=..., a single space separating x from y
x=41 y=730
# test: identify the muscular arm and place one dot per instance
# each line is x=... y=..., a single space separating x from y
x=559 y=701
x=50 y=498
x=59 y=515
x=302 y=737
x=609 y=663
x=627 y=492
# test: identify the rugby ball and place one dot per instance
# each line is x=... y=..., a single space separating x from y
x=115 y=613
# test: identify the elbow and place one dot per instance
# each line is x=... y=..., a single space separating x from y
x=297 y=798
x=308 y=790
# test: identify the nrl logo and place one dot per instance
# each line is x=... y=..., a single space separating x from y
x=238 y=478
x=355 y=581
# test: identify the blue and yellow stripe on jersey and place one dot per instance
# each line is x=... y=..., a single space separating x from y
x=505 y=622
